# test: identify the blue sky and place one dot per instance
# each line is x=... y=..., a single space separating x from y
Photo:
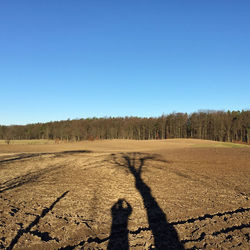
x=77 y=59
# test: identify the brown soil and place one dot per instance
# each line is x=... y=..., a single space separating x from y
x=125 y=194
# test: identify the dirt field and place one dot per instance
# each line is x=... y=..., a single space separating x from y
x=172 y=194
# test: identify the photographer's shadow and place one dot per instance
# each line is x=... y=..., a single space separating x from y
x=120 y=211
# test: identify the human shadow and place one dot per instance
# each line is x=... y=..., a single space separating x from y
x=165 y=235
x=120 y=211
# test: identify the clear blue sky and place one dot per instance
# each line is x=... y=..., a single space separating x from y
x=75 y=59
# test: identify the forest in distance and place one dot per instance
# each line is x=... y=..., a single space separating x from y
x=230 y=126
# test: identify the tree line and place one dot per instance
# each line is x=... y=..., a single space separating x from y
x=217 y=125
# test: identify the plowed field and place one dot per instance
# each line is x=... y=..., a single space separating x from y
x=120 y=194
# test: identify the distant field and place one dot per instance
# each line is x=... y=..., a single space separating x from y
x=191 y=142
x=221 y=144
x=184 y=193
x=32 y=142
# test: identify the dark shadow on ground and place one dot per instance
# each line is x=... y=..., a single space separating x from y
x=165 y=235
x=25 y=179
x=75 y=152
x=120 y=211
x=33 y=176
x=34 y=223
x=71 y=152
x=24 y=156
x=118 y=238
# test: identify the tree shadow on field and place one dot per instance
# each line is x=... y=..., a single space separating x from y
x=26 y=178
x=24 y=156
x=165 y=235
x=44 y=236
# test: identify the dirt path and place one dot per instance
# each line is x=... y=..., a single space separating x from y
x=115 y=198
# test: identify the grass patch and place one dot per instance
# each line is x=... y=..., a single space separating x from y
x=220 y=145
